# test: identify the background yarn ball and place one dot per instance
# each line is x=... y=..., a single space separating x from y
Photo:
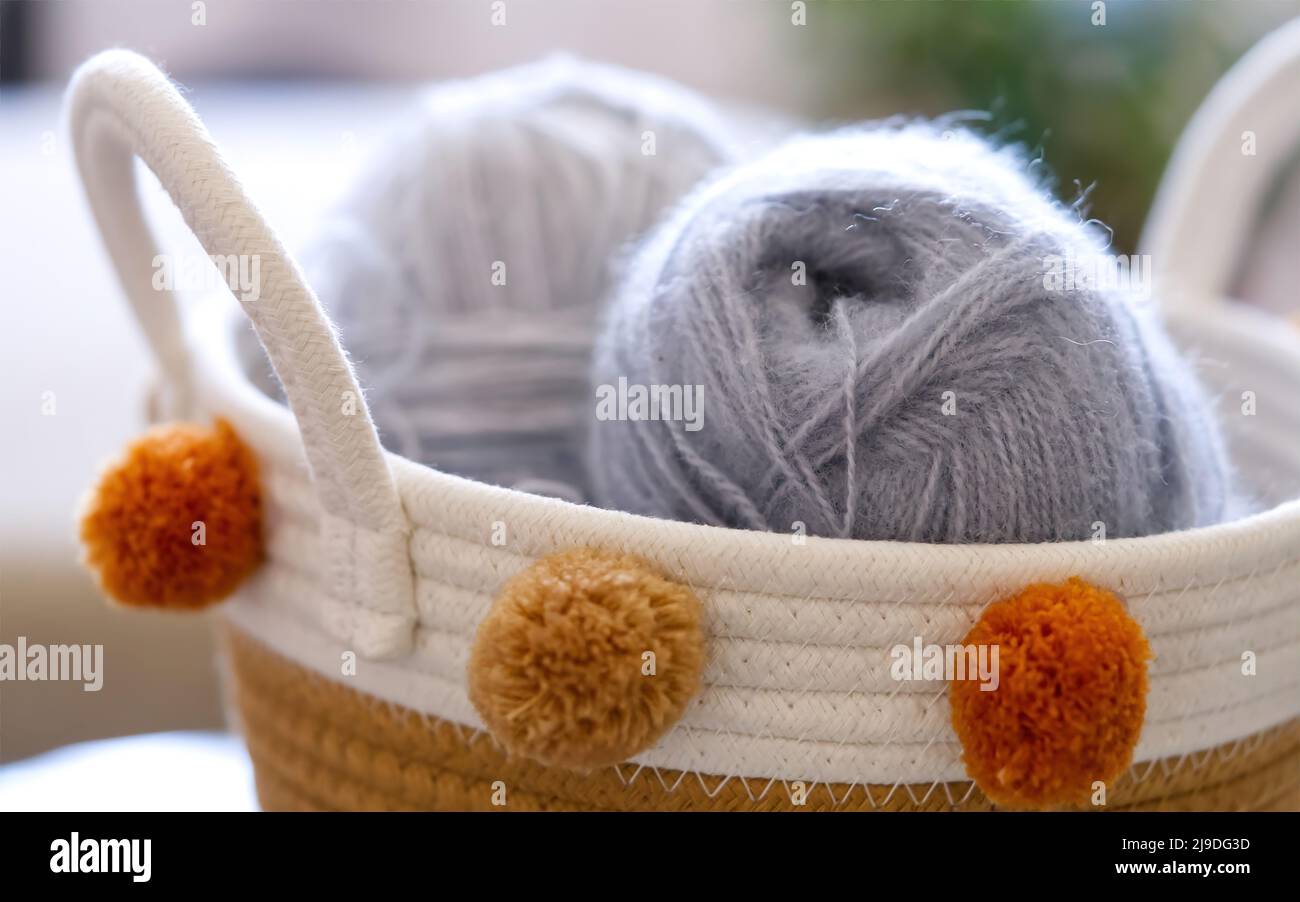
x=465 y=268
x=881 y=356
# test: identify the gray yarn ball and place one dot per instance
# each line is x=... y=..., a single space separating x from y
x=921 y=382
x=466 y=267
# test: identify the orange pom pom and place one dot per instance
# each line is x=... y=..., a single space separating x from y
x=586 y=658
x=1070 y=699
x=177 y=521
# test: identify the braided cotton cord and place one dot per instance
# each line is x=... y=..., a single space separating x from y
x=1213 y=187
x=121 y=106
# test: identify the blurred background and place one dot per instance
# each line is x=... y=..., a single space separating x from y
x=298 y=91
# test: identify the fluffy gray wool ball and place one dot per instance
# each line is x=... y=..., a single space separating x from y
x=465 y=270
x=865 y=319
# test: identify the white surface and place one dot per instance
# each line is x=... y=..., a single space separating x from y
x=156 y=772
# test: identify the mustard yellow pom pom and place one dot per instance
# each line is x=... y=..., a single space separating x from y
x=586 y=658
x=1070 y=698
x=176 y=522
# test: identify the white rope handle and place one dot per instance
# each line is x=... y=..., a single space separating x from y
x=121 y=106
x=1216 y=180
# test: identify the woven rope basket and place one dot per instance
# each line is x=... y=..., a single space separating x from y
x=374 y=557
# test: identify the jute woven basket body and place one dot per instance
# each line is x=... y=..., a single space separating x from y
x=373 y=557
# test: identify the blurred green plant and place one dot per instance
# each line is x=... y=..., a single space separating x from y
x=1104 y=103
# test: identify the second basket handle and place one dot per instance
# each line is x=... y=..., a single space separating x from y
x=1212 y=187
x=120 y=106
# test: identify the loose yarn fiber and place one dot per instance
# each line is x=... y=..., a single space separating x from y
x=465 y=269
x=922 y=382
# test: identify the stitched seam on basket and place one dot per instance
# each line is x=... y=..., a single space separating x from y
x=860 y=744
x=1290 y=602
x=1185 y=763
x=1160 y=676
x=935 y=741
x=1141 y=597
x=501 y=550
x=1275 y=761
x=1148 y=722
x=765 y=735
x=855 y=745
x=806 y=601
x=1287 y=603
x=881 y=650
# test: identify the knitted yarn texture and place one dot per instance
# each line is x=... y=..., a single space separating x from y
x=465 y=269
x=869 y=323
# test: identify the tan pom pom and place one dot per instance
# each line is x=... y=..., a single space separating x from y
x=586 y=658
x=177 y=521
